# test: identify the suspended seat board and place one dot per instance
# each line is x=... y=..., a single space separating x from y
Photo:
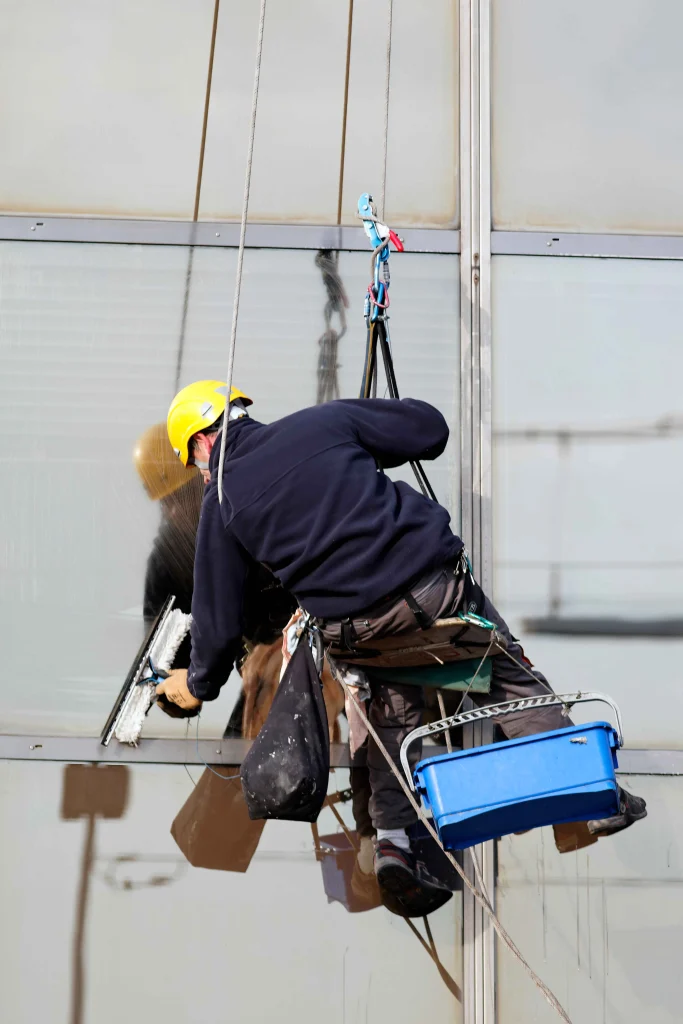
x=460 y=638
x=471 y=675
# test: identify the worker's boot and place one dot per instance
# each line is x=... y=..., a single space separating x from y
x=405 y=885
x=631 y=808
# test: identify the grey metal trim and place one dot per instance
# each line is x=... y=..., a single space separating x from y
x=485 y=445
x=231 y=752
x=222 y=234
x=568 y=243
x=650 y=762
x=149 y=751
x=475 y=430
x=471 y=915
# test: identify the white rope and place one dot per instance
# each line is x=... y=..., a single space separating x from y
x=492 y=644
x=527 y=670
x=240 y=251
x=480 y=894
x=382 y=194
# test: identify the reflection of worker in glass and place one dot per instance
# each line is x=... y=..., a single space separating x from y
x=367 y=556
x=170 y=567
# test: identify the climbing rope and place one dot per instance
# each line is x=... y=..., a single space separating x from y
x=345 y=111
x=240 y=251
x=337 y=303
x=197 y=197
x=387 y=80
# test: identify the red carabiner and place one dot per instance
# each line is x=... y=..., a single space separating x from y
x=398 y=242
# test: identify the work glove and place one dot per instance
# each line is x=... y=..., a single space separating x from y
x=174 y=696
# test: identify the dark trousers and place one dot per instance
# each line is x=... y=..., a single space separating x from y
x=395 y=710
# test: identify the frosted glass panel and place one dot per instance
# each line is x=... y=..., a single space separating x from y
x=299 y=126
x=93 y=346
x=586 y=115
x=601 y=926
x=102 y=106
x=587 y=514
x=96 y=892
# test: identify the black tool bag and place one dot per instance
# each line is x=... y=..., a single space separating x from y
x=286 y=771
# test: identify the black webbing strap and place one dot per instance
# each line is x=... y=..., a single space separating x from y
x=423 y=620
x=377 y=332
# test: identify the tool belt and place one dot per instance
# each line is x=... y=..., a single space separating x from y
x=406 y=631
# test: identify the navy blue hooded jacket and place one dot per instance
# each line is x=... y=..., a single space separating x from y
x=303 y=496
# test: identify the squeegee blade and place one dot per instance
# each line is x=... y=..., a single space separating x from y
x=137 y=670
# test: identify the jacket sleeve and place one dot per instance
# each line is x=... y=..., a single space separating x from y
x=397 y=431
x=220 y=570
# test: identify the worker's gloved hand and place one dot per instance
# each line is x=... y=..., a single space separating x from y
x=174 y=696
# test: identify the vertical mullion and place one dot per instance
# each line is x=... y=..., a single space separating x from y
x=466 y=450
x=484 y=441
x=466 y=481
x=485 y=356
x=475 y=341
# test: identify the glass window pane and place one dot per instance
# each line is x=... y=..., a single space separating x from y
x=94 y=345
x=102 y=106
x=585 y=109
x=111 y=100
x=122 y=919
x=587 y=514
x=601 y=926
x=301 y=96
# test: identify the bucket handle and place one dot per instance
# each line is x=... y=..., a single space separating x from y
x=567 y=700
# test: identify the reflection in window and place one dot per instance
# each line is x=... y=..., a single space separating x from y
x=96 y=340
x=275 y=929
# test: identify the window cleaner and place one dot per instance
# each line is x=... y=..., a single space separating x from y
x=367 y=557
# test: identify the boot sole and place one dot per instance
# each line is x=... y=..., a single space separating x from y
x=406 y=896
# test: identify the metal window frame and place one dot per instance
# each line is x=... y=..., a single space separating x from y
x=585 y=244
x=218 y=234
x=88 y=749
x=475 y=238
x=476 y=437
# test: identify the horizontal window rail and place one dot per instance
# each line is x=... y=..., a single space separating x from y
x=232 y=751
x=221 y=234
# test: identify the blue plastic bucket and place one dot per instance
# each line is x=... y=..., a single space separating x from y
x=545 y=779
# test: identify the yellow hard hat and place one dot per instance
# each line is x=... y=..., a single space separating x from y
x=194 y=409
x=157 y=465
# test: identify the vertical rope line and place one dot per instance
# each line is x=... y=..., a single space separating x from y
x=183 y=316
x=197 y=195
x=240 y=251
x=442 y=712
x=382 y=195
x=205 y=122
x=342 y=156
